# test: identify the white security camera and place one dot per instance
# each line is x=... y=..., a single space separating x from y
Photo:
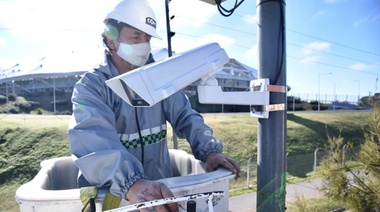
x=148 y=85
x=211 y=93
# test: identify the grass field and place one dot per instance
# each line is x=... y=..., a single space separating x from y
x=26 y=140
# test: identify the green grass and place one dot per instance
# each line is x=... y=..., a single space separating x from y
x=26 y=140
x=302 y=204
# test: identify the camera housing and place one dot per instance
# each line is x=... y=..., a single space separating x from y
x=150 y=84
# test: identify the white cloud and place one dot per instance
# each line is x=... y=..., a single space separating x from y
x=190 y=13
x=376 y=17
x=310 y=59
x=252 y=55
x=2 y=41
x=46 y=22
x=359 y=66
x=311 y=52
x=181 y=44
x=252 y=52
x=367 y=18
x=224 y=41
x=320 y=14
x=52 y=15
x=56 y=27
x=310 y=48
x=361 y=21
x=250 y=19
x=334 y=1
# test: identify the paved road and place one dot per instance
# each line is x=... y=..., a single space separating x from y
x=307 y=189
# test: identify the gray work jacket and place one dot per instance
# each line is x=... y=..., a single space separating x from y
x=104 y=137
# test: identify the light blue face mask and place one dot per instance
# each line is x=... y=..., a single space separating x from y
x=135 y=54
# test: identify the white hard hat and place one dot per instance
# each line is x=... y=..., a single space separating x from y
x=136 y=13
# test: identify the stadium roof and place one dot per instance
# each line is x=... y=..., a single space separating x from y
x=44 y=68
x=71 y=66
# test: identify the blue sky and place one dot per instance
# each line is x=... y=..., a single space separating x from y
x=340 y=37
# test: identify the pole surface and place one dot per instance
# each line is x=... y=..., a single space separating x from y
x=271 y=156
x=169 y=37
x=168 y=30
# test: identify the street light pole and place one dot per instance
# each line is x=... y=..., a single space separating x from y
x=358 y=90
x=294 y=99
x=319 y=89
x=6 y=90
x=334 y=97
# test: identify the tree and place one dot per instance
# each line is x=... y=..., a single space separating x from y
x=357 y=183
x=368 y=101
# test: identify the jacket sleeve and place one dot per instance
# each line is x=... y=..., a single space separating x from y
x=189 y=124
x=94 y=141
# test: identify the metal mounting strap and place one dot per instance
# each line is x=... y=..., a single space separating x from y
x=267 y=108
x=276 y=88
x=270 y=88
x=274 y=107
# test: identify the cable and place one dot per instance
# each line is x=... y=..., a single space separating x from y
x=334 y=66
x=216 y=25
x=338 y=44
x=225 y=12
x=267 y=1
x=141 y=138
x=287 y=30
x=336 y=55
x=281 y=38
x=196 y=37
x=291 y=44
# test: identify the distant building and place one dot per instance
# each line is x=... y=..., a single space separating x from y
x=24 y=79
x=20 y=80
x=41 y=77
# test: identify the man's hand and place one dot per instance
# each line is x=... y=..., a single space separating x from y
x=146 y=190
x=214 y=160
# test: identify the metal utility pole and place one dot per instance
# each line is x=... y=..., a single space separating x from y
x=169 y=35
x=54 y=101
x=168 y=30
x=271 y=156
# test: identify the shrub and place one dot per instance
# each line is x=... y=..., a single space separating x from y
x=3 y=99
x=66 y=112
x=356 y=184
x=14 y=110
x=59 y=102
x=39 y=111
x=12 y=97
x=23 y=104
x=314 y=102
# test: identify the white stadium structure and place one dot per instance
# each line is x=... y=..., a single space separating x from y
x=42 y=77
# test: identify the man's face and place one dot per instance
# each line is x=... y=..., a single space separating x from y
x=133 y=36
x=131 y=49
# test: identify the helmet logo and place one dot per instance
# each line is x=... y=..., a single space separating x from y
x=150 y=21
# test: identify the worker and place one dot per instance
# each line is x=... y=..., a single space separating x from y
x=123 y=147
